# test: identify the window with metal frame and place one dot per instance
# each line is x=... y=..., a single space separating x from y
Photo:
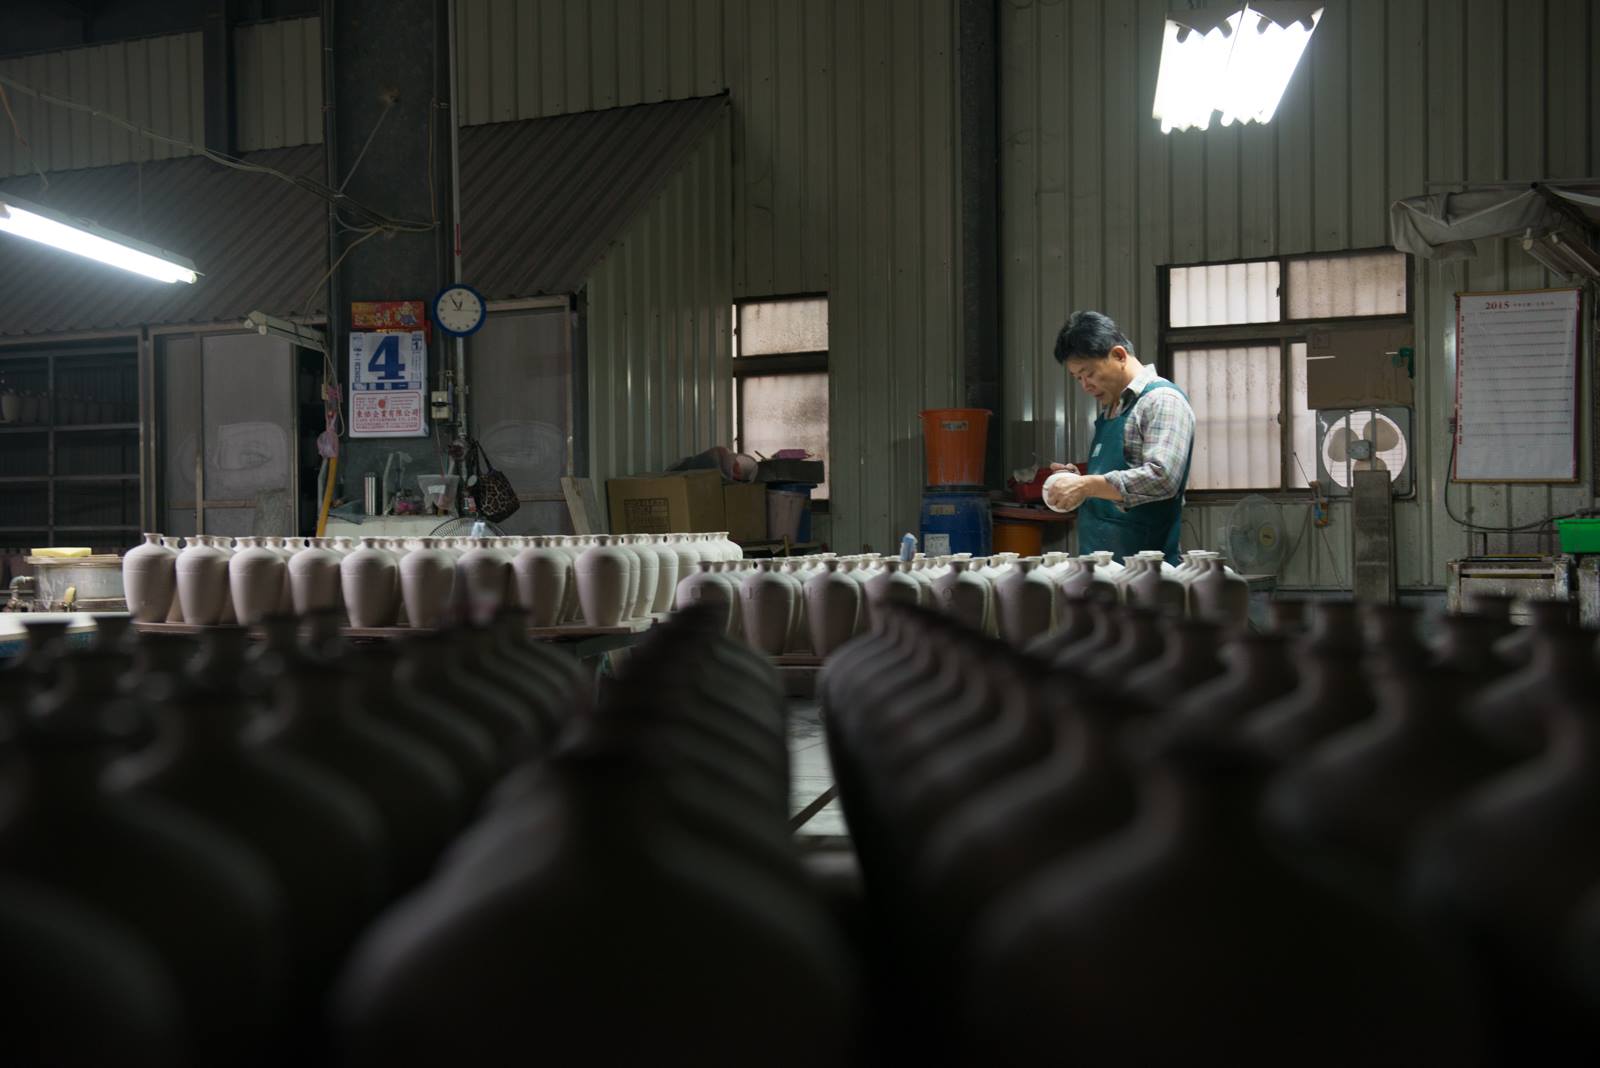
x=1233 y=338
x=780 y=372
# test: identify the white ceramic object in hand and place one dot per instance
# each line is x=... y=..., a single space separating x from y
x=1060 y=478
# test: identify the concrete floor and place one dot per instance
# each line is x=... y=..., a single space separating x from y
x=810 y=773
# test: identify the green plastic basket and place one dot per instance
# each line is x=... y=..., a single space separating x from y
x=1579 y=535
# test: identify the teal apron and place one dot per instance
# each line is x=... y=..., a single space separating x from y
x=1102 y=525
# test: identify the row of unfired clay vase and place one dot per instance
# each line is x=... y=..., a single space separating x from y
x=421 y=582
x=794 y=605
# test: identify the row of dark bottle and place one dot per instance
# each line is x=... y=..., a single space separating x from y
x=193 y=838
x=1146 y=841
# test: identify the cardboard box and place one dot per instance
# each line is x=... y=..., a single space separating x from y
x=744 y=506
x=1354 y=368
x=666 y=504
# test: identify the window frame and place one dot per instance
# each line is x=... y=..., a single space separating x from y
x=770 y=365
x=1283 y=331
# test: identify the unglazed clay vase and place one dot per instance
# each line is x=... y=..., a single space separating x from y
x=540 y=572
x=1027 y=602
x=833 y=608
x=226 y=546
x=483 y=578
x=644 y=595
x=889 y=585
x=150 y=579
x=201 y=571
x=428 y=584
x=1216 y=595
x=285 y=553
x=767 y=599
x=255 y=578
x=314 y=578
x=175 y=610
x=667 y=563
x=961 y=594
x=370 y=580
x=602 y=573
x=705 y=586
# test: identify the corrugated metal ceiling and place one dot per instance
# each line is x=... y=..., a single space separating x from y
x=542 y=200
x=258 y=241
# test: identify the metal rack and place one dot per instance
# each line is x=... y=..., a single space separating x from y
x=59 y=436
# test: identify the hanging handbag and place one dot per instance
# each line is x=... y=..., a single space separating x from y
x=496 y=498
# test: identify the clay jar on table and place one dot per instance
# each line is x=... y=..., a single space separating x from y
x=962 y=594
x=483 y=579
x=833 y=607
x=201 y=572
x=149 y=579
x=427 y=584
x=666 y=571
x=541 y=573
x=1214 y=594
x=1027 y=602
x=602 y=573
x=705 y=585
x=644 y=593
x=768 y=602
x=314 y=578
x=175 y=610
x=256 y=578
x=890 y=586
x=370 y=580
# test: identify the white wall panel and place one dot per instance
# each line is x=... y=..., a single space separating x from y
x=1394 y=98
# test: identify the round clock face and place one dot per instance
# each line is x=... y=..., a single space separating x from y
x=459 y=310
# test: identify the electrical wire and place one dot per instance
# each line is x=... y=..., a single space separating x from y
x=17 y=130
x=334 y=196
x=376 y=126
x=374 y=232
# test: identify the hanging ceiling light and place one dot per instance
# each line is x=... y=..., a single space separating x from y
x=1238 y=64
x=84 y=238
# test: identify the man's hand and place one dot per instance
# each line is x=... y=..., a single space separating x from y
x=1065 y=490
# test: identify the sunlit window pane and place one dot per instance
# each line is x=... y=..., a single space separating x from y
x=1302 y=422
x=786 y=412
x=1329 y=287
x=1236 y=393
x=774 y=327
x=1224 y=294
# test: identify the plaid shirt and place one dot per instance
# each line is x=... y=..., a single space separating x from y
x=1155 y=440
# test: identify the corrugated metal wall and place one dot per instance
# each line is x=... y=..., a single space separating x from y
x=843 y=143
x=1392 y=95
x=278 y=83
x=157 y=82
x=659 y=352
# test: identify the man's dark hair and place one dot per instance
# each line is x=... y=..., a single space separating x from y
x=1089 y=334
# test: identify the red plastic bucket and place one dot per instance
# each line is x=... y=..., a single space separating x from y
x=954 y=440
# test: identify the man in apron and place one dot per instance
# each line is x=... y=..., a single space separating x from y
x=1131 y=497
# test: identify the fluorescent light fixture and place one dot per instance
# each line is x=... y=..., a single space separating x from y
x=307 y=337
x=1238 y=64
x=1561 y=255
x=84 y=238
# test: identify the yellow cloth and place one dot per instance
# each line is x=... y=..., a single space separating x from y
x=62 y=553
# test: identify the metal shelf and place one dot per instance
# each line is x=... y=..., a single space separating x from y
x=15 y=480
x=93 y=529
x=124 y=477
x=25 y=428
x=73 y=428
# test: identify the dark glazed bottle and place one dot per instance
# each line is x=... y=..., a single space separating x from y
x=321 y=839
x=206 y=903
x=1332 y=695
x=1508 y=869
x=1467 y=648
x=1361 y=797
x=1560 y=670
x=1190 y=659
x=1259 y=672
x=1188 y=938
x=419 y=798
x=81 y=988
